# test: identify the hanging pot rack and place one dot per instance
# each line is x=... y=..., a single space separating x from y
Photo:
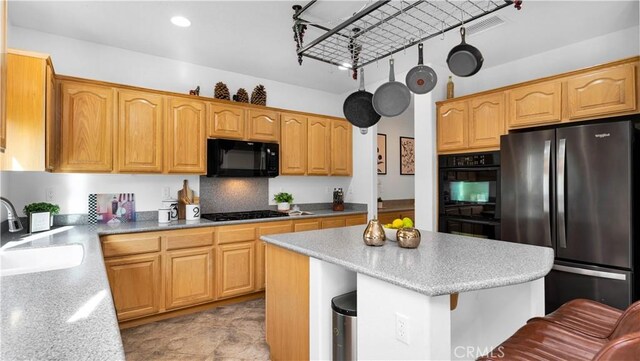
x=384 y=28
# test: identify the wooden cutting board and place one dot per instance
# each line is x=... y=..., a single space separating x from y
x=185 y=196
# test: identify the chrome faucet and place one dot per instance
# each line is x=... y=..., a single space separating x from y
x=12 y=217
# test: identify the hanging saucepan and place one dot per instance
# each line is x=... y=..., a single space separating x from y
x=358 y=109
x=391 y=98
x=421 y=79
x=464 y=59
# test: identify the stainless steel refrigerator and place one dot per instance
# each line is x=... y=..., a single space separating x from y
x=572 y=189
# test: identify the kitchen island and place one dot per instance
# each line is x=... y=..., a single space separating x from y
x=501 y=286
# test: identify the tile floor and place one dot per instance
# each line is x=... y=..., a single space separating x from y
x=230 y=332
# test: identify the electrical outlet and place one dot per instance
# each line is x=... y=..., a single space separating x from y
x=49 y=194
x=402 y=328
x=166 y=193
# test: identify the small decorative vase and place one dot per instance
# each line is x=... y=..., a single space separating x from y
x=284 y=206
x=408 y=237
x=374 y=234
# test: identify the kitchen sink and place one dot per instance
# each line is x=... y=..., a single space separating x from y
x=32 y=260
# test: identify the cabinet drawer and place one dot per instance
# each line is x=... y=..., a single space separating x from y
x=356 y=220
x=274 y=228
x=122 y=245
x=307 y=225
x=333 y=223
x=231 y=234
x=182 y=239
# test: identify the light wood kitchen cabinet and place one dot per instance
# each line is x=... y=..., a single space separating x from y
x=226 y=121
x=185 y=140
x=341 y=148
x=264 y=125
x=605 y=91
x=135 y=285
x=264 y=230
x=293 y=144
x=86 y=127
x=307 y=225
x=388 y=217
x=3 y=74
x=537 y=104
x=333 y=222
x=486 y=121
x=235 y=269
x=51 y=143
x=189 y=277
x=29 y=115
x=356 y=220
x=452 y=126
x=140 y=120
x=319 y=146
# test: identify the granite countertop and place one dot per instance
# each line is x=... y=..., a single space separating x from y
x=442 y=264
x=69 y=313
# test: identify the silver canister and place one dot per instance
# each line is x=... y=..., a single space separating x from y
x=171 y=204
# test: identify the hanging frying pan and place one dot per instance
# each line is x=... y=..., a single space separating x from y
x=421 y=79
x=391 y=98
x=464 y=59
x=358 y=109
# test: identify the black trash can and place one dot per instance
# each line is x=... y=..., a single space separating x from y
x=345 y=327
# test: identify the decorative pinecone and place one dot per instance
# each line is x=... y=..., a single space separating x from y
x=241 y=96
x=221 y=91
x=259 y=95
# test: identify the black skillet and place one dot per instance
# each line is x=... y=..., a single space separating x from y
x=464 y=59
x=358 y=108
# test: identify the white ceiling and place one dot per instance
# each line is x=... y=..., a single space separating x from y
x=255 y=37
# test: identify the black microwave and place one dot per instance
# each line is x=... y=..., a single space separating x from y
x=236 y=158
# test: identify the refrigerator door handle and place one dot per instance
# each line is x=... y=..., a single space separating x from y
x=562 y=232
x=592 y=273
x=545 y=191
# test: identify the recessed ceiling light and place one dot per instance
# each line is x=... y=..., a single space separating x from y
x=180 y=21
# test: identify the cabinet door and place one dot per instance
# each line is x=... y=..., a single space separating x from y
x=235 y=269
x=86 y=128
x=189 y=277
x=140 y=132
x=486 y=121
x=536 y=104
x=341 y=148
x=334 y=222
x=264 y=125
x=452 y=126
x=51 y=128
x=319 y=146
x=267 y=229
x=293 y=145
x=602 y=92
x=307 y=225
x=225 y=121
x=185 y=136
x=135 y=285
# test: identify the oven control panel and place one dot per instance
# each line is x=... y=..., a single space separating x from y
x=469 y=160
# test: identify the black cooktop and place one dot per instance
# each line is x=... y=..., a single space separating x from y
x=235 y=216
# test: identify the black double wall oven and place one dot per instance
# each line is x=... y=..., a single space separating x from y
x=469 y=194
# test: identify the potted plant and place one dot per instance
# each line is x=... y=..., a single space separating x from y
x=41 y=207
x=284 y=200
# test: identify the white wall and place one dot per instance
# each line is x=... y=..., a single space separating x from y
x=393 y=185
x=95 y=61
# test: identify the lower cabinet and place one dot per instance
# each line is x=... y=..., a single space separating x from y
x=135 y=285
x=388 y=217
x=333 y=222
x=235 y=271
x=189 y=277
x=307 y=225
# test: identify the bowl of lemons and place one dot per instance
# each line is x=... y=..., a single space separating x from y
x=390 y=229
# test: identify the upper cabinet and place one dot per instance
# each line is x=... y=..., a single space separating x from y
x=601 y=92
x=226 y=121
x=341 y=148
x=319 y=146
x=30 y=97
x=476 y=122
x=264 y=125
x=185 y=136
x=86 y=127
x=486 y=121
x=452 y=126
x=293 y=145
x=140 y=119
x=536 y=104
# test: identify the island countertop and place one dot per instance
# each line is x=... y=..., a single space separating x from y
x=442 y=264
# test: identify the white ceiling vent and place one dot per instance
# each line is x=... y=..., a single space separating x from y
x=485 y=24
